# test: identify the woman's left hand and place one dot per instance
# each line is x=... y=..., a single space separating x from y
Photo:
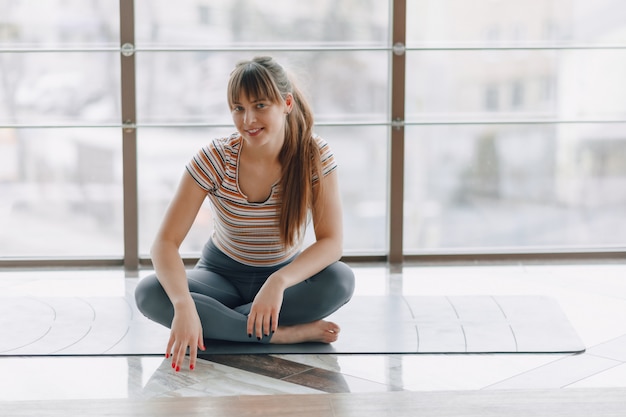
x=263 y=317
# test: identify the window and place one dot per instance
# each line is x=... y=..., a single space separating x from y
x=336 y=50
x=504 y=151
x=513 y=135
x=60 y=186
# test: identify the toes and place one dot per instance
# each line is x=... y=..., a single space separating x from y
x=332 y=327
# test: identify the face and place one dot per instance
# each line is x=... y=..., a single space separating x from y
x=261 y=121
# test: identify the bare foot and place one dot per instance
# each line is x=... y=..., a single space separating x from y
x=317 y=331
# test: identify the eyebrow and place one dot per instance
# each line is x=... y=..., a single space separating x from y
x=256 y=100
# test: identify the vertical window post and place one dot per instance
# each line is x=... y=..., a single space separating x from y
x=396 y=177
x=129 y=134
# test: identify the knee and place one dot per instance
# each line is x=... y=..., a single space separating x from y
x=343 y=279
x=147 y=293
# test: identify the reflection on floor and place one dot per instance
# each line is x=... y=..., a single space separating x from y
x=592 y=296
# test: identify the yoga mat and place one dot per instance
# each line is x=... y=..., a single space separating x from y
x=370 y=325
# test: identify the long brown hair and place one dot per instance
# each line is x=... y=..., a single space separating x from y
x=263 y=77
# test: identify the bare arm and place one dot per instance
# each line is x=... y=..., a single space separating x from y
x=328 y=247
x=170 y=270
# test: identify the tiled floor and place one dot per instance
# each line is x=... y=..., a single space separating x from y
x=592 y=296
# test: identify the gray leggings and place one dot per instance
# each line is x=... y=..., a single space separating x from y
x=223 y=290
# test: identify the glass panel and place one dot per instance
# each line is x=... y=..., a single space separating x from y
x=515 y=186
x=363 y=159
x=61 y=193
x=189 y=87
x=73 y=23
x=496 y=85
x=252 y=22
x=361 y=153
x=38 y=88
x=530 y=22
x=162 y=156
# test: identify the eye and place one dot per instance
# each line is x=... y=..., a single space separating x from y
x=237 y=108
x=261 y=105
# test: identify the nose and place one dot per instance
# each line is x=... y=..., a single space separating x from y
x=249 y=116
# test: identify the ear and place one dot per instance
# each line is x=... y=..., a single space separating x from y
x=289 y=102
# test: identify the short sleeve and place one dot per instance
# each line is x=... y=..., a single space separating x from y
x=329 y=164
x=207 y=166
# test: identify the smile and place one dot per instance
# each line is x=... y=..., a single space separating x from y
x=254 y=132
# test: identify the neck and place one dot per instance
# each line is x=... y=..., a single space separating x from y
x=267 y=153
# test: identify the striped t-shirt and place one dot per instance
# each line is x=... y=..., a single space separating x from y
x=247 y=232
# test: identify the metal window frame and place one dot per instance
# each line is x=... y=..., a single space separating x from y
x=129 y=135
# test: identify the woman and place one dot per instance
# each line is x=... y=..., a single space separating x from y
x=253 y=283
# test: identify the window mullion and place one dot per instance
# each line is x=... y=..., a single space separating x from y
x=129 y=134
x=396 y=165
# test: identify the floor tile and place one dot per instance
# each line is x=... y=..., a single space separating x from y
x=213 y=379
x=612 y=377
x=335 y=382
x=558 y=374
x=463 y=372
x=63 y=378
x=613 y=349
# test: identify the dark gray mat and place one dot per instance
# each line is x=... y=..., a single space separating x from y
x=370 y=325
x=439 y=324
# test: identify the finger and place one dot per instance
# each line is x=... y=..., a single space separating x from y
x=274 y=322
x=258 y=324
x=174 y=349
x=250 y=326
x=168 y=349
x=193 y=353
x=267 y=324
x=180 y=355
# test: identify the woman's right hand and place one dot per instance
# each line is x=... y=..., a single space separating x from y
x=186 y=332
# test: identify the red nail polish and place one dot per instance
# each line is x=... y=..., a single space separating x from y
x=177 y=368
x=191 y=367
x=173 y=365
x=167 y=356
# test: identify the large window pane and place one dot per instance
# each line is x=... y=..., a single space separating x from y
x=503 y=187
x=252 y=22
x=59 y=23
x=66 y=87
x=544 y=85
x=363 y=158
x=162 y=156
x=61 y=193
x=500 y=22
x=184 y=87
x=360 y=151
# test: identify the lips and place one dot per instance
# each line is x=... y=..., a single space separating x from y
x=254 y=132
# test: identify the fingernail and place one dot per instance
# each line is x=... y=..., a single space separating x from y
x=167 y=356
x=249 y=334
x=258 y=338
x=177 y=368
x=191 y=367
x=173 y=365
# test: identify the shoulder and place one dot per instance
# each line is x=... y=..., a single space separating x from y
x=211 y=163
x=321 y=143
x=327 y=157
x=225 y=145
x=326 y=152
x=325 y=149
